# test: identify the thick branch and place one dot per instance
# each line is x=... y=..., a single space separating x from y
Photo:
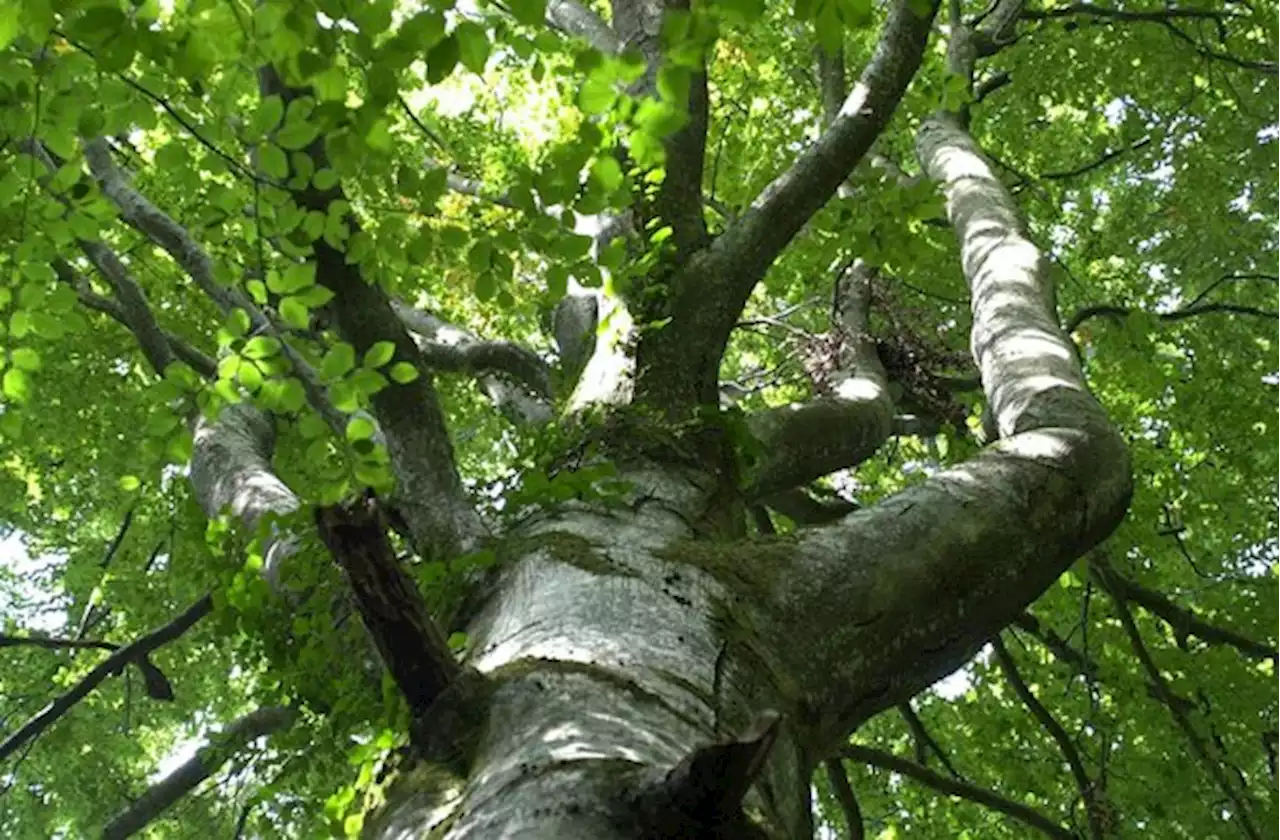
x=807 y=441
x=797 y=505
x=231 y=472
x=412 y=647
x=450 y=348
x=709 y=292
x=134 y=653
x=573 y=18
x=186 y=776
x=1084 y=784
x=678 y=202
x=429 y=492
x=953 y=787
x=919 y=582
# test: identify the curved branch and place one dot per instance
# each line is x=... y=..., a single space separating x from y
x=807 y=441
x=920 y=582
x=953 y=787
x=157 y=225
x=199 y=362
x=1086 y=786
x=450 y=348
x=186 y=776
x=133 y=653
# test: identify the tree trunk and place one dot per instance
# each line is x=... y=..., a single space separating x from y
x=614 y=645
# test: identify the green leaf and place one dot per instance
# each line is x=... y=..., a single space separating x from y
x=269 y=113
x=324 y=180
x=609 y=172
x=403 y=372
x=261 y=347
x=314 y=297
x=340 y=359
x=473 y=46
x=292 y=395
x=129 y=483
x=379 y=354
x=25 y=358
x=596 y=95
x=295 y=278
x=529 y=12
x=273 y=161
x=293 y=311
x=360 y=428
x=9 y=27
x=368 y=382
x=16 y=385
x=344 y=397
x=442 y=58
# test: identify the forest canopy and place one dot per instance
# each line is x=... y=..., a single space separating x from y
x=748 y=198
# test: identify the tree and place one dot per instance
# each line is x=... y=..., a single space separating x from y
x=548 y=420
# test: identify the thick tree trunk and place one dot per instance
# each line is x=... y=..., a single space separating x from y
x=613 y=649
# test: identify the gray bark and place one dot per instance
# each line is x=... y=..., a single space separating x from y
x=606 y=651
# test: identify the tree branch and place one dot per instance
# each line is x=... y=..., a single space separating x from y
x=846 y=797
x=411 y=646
x=1124 y=15
x=54 y=643
x=134 y=309
x=450 y=348
x=678 y=202
x=133 y=653
x=158 y=226
x=708 y=294
x=923 y=739
x=1086 y=786
x=1183 y=621
x=573 y=18
x=1166 y=696
x=1057 y=645
x=920 y=582
x=1102 y=309
x=953 y=787
x=429 y=492
x=807 y=441
x=185 y=777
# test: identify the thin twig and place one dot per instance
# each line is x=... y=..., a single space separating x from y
x=112 y=665
x=1068 y=748
x=953 y=787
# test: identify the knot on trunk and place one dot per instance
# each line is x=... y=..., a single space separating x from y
x=701 y=797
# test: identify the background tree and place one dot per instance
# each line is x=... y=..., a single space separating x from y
x=614 y=421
